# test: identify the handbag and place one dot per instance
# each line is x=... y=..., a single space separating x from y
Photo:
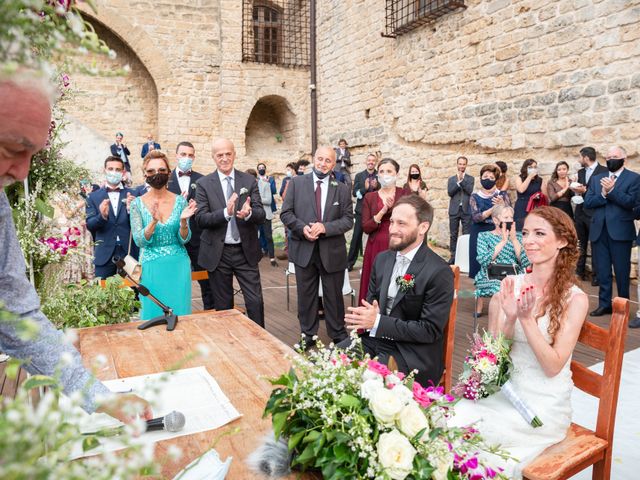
x=536 y=200
x=497 y=271
x=131 y=265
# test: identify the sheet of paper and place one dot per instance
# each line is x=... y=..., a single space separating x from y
x=192 y=391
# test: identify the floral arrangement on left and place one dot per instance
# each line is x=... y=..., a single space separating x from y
x=353 y=418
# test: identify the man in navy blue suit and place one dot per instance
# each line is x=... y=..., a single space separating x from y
x=150 y=145
x=120 y=150
x=108 y=219
x=183 y=182
x=613 y=196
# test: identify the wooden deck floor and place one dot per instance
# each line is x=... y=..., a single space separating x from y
x=283 y=322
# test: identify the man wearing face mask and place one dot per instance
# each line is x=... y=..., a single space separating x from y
x=182 y=181
x=613 y=196
x=107 y=212
x=265 y=232
x=318 y=211
x=365 y=182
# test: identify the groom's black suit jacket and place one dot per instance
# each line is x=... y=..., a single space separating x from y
x=419 y=316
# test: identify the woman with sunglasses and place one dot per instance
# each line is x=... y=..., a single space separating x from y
x=160 y=227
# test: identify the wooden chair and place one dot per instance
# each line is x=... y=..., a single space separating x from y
x=583 y=447
x=450 y=333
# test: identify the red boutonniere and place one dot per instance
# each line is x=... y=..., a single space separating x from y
x=406 y=282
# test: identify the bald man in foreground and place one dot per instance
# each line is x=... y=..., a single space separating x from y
x=318 y=211
x=25 y=110
x=229 y=213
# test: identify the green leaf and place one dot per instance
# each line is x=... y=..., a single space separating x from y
x=44 y=208
x=90 y=443
x=12 y=368
x=349 y=401
x=306 y=456
x=342 y=452
x=311 y=436
x=36 y=381
x=284 y=380
x=294 y=439
x=278 y=421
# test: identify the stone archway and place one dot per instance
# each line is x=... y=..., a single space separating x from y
x=270 y=132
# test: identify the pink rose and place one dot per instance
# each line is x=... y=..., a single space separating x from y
x=421 y=395
x=378 y=368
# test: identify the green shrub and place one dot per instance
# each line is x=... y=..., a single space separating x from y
x=87 y=304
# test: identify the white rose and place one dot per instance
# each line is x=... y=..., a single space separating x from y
x=403 y=393
x=370 y=375
x=395 y=454
x=386 y=406
x=369 y=387
x=412 y=420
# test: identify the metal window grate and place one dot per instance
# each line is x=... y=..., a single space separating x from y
x=276 y=32
x=402 y=16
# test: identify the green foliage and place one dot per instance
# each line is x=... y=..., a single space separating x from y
x=88 y=304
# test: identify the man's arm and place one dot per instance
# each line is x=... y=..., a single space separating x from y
x=43 y=352
x=434 y=315
x=288 y=214
x=95 y=220
x=358 y=185
x=593 y=198
x=467 y=184
x=452 y=186
x=345 y=222
x=205 y=217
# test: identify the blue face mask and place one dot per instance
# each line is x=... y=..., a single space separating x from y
x=113 y=178
x=185 y=163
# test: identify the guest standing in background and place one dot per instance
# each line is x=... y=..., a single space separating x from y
x=265 y=231
x=290 y=172
x=501 y=245
x=482 y=204
x=376 y=215
x=503 y=182
x=528 y=183
x=415 y=183
x=120 y=150
x=160 y=226
x=150 y=145
x=459 y=188
x=182 y=181
x=365 y=182
x=558 y=189
x=343 y=163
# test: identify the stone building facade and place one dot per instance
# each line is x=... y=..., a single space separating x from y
x=499 y=80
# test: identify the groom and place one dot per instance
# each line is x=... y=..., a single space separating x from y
x=409 y=298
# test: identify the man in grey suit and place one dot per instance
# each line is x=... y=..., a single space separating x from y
x=318 y=211
x=229 y=213
x=459 y=188
x=409 y=296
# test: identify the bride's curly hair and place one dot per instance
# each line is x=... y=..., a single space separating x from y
x=555 y=300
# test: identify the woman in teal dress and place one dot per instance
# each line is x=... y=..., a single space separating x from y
x=500 y=245
x=160 y=227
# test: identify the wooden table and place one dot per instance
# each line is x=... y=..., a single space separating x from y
x=241 y=352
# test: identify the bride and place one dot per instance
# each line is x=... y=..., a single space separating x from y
x=542 y=312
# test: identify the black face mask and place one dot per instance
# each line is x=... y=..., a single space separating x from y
x=319 y=174
x=261 y=172
x=301 y=172
x=414 y=176
x=615 y=164
x=506 y=224
x=487 y=183
x=158 y=181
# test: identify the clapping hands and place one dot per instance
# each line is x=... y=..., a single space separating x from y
x=189 y=210
x=245 y=211
x=523 y=307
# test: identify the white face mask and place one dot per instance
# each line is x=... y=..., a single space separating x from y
x=113 y=178
x=387 y=180
x=289 y=173
x=532 y=170
x=185 y=164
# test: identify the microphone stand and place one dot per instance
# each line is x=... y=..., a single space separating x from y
x=168 y=318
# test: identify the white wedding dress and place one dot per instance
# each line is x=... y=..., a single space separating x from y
x=548 y=397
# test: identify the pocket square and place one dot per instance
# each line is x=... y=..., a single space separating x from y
x=336 y=203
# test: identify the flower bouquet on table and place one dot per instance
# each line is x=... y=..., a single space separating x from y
x=350 y=417
x=487 y=368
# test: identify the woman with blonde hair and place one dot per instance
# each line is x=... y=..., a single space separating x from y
x=160 y=227
x=542 y=312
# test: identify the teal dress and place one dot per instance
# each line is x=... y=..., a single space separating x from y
x=487 y=241
x=166 y=268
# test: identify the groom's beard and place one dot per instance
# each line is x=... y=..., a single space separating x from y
x=6 y=180
x=398 y=244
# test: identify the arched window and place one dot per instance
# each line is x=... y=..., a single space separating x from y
x=267 y=34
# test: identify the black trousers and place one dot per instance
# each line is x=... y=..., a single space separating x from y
x=109 y=269
x=307 y=280
x=205 y=286
x=233 y=262
x=583 y=223
x=355 y=248
x=608 y=253
x=454 y=228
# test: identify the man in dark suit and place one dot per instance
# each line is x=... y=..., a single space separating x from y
x=120 y=150
x=229 y=212
x=582 y=215
x=318 y=211
x=342 y=168
x=459 y=188
x=107 y=212
x=182 y=181
x=613 y=196
x=366 y=181
x=150 y=145
x=409 y=297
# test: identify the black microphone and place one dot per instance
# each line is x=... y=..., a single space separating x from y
x=171 y=422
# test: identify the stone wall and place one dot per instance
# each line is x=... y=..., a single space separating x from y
x=501 y=80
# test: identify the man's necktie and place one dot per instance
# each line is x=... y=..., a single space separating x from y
x=182 y=174
x=319 y=200
x=114 y=189
x=398 y=269
x=235 y=234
